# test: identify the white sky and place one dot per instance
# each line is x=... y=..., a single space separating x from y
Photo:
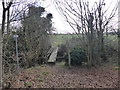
x=59 y=23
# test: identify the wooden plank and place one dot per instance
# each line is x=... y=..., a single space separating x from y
x=49 y=52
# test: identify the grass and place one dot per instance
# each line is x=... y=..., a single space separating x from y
x=117 y=68
x=61 y=38
x=35 y=67
x=27 y=83
x=115 y=64
x=40 y=79
x=61 y=64
x=43 y=65
x=31 y=68
x=45 y=73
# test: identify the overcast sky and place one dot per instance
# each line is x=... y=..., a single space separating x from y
x=59 y=22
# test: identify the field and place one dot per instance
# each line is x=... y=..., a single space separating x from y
x=58 y=39
x=61 y=38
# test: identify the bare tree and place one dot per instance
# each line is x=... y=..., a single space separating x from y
x=91 y=22
x=5 y=9
x=9 y=15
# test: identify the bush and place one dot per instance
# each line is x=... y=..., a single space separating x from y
x=61 y=50
x=77 y=56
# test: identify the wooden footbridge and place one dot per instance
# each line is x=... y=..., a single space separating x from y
x=52 y=58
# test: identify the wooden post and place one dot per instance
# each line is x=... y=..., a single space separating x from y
x=69 y=58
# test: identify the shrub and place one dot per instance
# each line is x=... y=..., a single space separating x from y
x=61 y=52
x=77 y=56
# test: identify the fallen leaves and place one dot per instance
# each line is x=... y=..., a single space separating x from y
x=61 y=77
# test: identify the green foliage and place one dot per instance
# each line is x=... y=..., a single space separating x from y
x=77 y=56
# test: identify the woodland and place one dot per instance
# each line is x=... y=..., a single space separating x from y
x=88 y=58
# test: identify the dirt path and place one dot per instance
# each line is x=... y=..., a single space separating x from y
x=62 y=77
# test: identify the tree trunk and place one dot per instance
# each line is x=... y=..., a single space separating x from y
x=1 y=44
x=119 y=38
x=0 y=59
x=91 y=41
x=1 y=37
x=8 y=22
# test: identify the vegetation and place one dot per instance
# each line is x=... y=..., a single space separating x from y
x=91 y=22
x=92 y=45
x=32 y=46
x=77 y=56
x=27 y=83
x=58 y=39
x=45 y=73
x=40 y=79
